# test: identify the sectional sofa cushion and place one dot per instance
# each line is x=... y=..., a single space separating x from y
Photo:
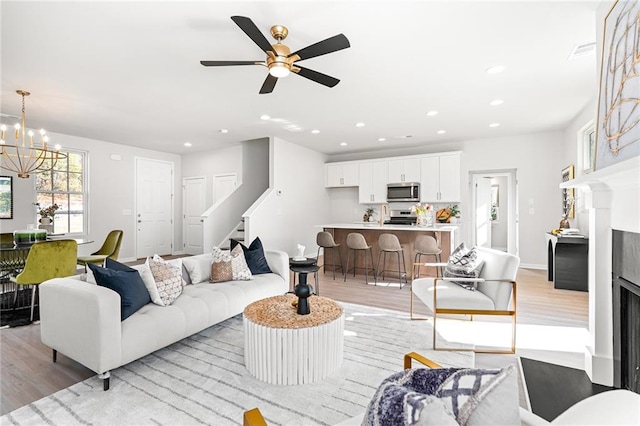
x=127 y=283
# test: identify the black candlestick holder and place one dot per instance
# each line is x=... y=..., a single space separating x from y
x=303 y=291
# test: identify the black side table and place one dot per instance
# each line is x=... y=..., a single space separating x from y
x=568 y=262
x=303 y=268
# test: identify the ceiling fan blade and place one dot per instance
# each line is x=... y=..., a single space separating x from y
x=318 y=77
x=250 y=29
x=227 y=63
x=332 y=44
x=269 y=84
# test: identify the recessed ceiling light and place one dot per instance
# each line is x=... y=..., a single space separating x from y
x=343 y=144
x=496 y=69
x=494 y=125
x=265 y=117
x=496 y=102
x=223 y=131
x=382 y=139
x=441 y=132
x=315 y=131
x=360 y=124
x=432 y=113
x=187 y=144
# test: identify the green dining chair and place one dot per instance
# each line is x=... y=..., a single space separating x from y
x=46 y=260
x=110 y=249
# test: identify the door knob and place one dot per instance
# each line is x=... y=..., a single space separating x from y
x=139 y=221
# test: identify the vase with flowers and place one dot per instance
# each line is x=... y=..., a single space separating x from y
x=47 y=214
x=424 y=216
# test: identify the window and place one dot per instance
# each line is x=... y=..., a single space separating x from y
x=65 y=186
x=587 y=136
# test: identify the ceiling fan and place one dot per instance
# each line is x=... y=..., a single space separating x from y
x=280 y=60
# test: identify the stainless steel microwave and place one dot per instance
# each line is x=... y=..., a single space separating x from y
x=403 y=191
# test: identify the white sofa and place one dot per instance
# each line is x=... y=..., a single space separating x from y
x=82 y=321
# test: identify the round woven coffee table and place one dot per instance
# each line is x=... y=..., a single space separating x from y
x=284 y=348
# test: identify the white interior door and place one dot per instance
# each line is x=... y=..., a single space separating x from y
x=154 y=207
x=223 y=185
x=483 y=212
x=194 y=196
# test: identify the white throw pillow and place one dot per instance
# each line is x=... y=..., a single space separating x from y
x=198 y=267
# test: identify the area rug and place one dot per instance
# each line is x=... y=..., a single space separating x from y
x=202 y=380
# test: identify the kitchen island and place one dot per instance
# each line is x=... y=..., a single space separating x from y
x=446 y=234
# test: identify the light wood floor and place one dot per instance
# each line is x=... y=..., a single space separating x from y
x=28 y=374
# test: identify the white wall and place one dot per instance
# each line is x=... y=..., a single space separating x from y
x=539 y=160
x=111 y=187
x=210 y=163
x=289 y=215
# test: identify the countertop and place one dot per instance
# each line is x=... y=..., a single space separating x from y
x=440 y=227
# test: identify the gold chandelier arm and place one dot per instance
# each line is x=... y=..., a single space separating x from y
x=24 y=158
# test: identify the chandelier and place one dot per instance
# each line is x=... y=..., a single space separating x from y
x=24 y=156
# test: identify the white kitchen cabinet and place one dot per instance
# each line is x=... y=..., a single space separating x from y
x=341 y=174
x=440 y=178
x=404 y=170
x=372 y=179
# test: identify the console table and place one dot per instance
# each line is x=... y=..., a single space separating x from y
x=568 y=262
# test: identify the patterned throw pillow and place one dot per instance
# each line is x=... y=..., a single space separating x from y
x=168 y=279
x=464 y=263
x=446 y=396
x=228 y=266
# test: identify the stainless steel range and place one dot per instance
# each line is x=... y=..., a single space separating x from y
x=401 y=217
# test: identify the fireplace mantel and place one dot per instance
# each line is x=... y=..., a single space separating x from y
x=612 y=196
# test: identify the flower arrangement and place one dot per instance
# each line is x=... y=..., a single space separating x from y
x=48 y=211
x=421 y=209
x=455 y=210
x=368 y=214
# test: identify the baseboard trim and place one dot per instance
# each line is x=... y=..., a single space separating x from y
x=126 y=259
x=533 y=266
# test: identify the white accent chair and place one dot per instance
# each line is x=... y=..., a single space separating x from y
x=495 y=294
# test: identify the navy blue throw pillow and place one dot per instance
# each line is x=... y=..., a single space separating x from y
x=117 y=266
x=254 y=255
x=127 y=283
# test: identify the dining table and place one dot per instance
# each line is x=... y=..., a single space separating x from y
x=12 y=260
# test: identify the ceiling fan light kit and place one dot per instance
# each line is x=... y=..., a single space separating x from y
x=280 y=61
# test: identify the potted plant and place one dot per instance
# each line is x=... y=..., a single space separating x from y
x=47 y=214
x=368 y=214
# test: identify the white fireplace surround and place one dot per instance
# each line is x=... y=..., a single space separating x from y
x=612 y=196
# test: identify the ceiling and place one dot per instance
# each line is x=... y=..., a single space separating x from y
x=129 y=72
